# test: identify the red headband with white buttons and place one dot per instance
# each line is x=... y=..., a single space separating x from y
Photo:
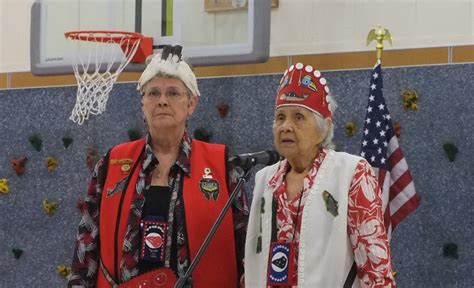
x=302 y=85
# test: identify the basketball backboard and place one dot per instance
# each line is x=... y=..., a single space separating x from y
x=240 y=34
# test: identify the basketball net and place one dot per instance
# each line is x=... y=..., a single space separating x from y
x=100 y=58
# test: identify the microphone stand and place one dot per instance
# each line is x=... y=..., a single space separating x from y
x=185 y=279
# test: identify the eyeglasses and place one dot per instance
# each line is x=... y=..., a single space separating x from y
x=171 y=95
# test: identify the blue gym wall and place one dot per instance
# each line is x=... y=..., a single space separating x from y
x=446 y=214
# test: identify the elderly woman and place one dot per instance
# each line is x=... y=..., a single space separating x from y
x=152 y=202
x=318 y=210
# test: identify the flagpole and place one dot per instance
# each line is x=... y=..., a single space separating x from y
x=379 y=34
x=381 y=149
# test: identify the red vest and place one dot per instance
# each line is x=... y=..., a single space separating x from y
x=217 y=267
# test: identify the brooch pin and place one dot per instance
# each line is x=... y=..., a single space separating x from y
x=331 y=203
x=208 y=185
x=124 y=162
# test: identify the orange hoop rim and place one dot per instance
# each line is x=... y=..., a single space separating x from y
x=109 y=35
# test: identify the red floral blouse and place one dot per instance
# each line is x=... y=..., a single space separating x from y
x=365 y=221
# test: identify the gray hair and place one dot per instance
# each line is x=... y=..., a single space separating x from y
x=174 y=67
x=327 y=127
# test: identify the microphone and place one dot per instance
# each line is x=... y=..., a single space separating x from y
x=247 y=160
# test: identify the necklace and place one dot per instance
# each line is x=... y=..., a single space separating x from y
x=295 y=222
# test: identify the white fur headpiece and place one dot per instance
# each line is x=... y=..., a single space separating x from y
x=173 y=66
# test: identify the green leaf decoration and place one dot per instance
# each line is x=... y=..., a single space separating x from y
x=67 y=141
x=202 y=134
x=17 y=252
x=450 y=250
x=331 y=204
x=36 y=142
x=134 y=134
x=451 y=150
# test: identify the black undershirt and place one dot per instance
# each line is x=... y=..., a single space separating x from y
x=157 y=203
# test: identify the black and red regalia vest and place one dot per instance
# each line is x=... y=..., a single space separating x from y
x=218 y=267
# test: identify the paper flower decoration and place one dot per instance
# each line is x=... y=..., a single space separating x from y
x=223 y=109
x=17 y=252
x=36 y=142
x=67 y=141
x=202 y=134
x=451 y=150
x=19 y=165
x=397 y=129
x=91 y=158
x=64 y=270
x=134 y=134
x=450 y=250
x=351 y=129
x=50 y=207
x=4 y=187
x=51 y=163
x=410 y=98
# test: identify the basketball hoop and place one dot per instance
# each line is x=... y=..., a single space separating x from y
x=97 y=70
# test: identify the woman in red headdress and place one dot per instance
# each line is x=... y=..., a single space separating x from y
x=316 y=217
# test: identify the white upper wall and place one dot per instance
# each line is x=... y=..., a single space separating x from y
x=15 y=35
x=322 y=26
x=300 y=26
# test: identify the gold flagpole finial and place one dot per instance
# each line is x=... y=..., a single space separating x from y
x=379 y=34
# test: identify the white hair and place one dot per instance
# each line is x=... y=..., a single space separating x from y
x=172 y=67
x=326 y=127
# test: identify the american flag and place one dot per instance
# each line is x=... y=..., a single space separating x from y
x=380 y=148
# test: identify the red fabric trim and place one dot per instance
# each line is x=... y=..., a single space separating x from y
x=218 y=267
x=101 y=280
x=109 y=205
